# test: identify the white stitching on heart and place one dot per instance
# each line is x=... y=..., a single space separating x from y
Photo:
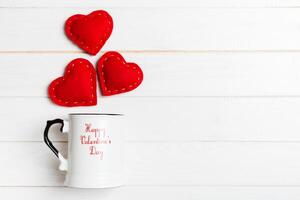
x=127 y=65
x=63 y=79
x=84 y=45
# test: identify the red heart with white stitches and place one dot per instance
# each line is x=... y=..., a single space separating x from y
x=89 y=32
x=116 y=75
x=77 y=87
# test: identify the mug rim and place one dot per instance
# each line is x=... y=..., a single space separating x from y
x=103 y=114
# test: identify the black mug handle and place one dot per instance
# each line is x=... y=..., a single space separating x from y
x=46 y=131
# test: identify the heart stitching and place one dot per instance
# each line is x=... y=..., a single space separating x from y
x=69 y=72
x=92 y=49
x=103 y=79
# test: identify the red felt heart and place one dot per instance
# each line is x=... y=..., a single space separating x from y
x=77 y=87
x=91 y=31
x=116 y=75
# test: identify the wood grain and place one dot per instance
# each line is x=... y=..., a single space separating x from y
x=152 y=192
x=166 y=164
x=150 y=29
x=152 y=3
x=165 y=119
x=167 y=74
x=216 y=117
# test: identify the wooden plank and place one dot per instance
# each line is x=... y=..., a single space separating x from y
x=171 y=164
x=153 y=3
x=144 y=29
x=152 y=192
x=168 y=74
x=165 y=119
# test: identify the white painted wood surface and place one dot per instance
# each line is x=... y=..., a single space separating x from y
x=168 y=74
x=216 y=117
x=153 y=192
x=167 y=164
x=167 y=118
x=158 y=29
x=153 y=3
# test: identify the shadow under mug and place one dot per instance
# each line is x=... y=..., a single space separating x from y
x=94 y=149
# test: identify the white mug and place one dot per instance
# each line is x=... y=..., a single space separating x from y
x=94 y=149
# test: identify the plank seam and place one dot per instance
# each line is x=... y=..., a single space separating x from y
x=169 y=141
x=157 y=51
x=150 y=185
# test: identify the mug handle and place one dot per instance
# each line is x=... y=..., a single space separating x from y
x=63 y=162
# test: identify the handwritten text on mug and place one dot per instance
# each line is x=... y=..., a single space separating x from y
x=94 y=137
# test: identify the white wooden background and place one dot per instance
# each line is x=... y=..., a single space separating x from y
x=217 y=116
